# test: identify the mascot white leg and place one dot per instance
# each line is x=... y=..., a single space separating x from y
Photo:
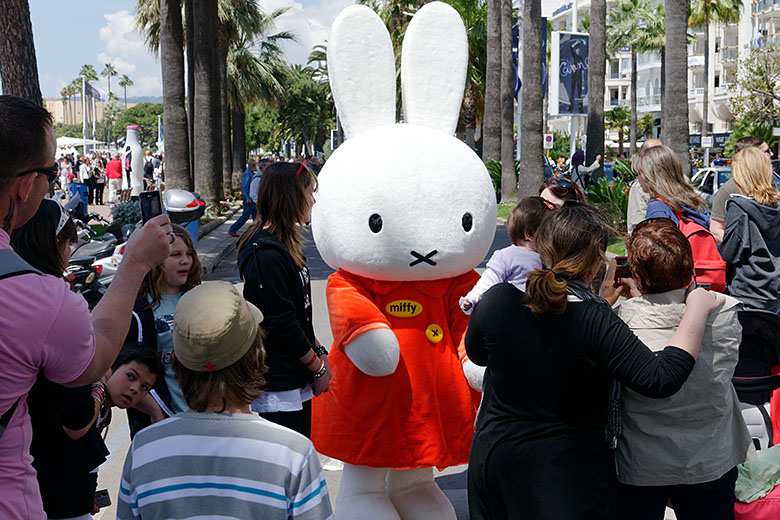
x=362 y=495
x=416 y=496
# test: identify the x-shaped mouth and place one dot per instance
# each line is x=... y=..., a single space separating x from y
x=420 y=258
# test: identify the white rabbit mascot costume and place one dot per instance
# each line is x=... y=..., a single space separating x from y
x=404 y=213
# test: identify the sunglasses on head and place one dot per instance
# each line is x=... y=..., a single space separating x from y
x=50 y=172
x=564 y=183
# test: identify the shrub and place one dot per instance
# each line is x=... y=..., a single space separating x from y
x=127 y=212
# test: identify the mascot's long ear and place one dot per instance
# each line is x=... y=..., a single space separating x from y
x=361 y=68
x=434 y=59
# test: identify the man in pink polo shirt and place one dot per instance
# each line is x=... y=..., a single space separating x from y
x=44 y=327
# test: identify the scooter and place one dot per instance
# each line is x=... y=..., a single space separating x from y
x=85 y=279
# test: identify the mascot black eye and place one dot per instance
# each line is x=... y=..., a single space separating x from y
x=375 y=223
x=467 y=222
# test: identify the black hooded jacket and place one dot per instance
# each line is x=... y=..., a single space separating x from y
x=282 y=292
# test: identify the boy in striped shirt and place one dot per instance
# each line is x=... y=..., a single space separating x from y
x=218 y=460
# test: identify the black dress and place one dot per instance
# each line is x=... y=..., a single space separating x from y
x=539 y=449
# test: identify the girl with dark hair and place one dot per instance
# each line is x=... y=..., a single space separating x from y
x=276 y=280
x=539 y=448
x=153 y=314
x=33 y=241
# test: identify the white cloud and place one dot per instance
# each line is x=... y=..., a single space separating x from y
x=125 y=49
x=311 y=25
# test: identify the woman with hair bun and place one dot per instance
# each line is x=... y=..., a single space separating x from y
x=751 y=240
x=552 y=353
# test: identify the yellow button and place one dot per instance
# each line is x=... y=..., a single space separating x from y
x=434 y=333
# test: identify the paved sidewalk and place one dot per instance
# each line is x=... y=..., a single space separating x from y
x=214 y=243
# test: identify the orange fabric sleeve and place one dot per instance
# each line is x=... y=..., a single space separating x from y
x=352 y=309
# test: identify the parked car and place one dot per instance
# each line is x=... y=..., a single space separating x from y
x=707 y=181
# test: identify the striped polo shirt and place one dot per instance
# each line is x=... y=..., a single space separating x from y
x=226 y=466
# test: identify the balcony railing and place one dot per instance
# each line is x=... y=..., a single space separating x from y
x=729 y=54
x=696 y=92
x=644 y=101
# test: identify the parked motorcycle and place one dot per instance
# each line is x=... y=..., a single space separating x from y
x=84 y=278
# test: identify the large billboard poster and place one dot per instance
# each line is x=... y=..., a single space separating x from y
x=569 y=72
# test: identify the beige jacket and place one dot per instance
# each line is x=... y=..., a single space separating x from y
x=698 y=434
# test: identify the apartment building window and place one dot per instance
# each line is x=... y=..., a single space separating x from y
x=614 y=69
x=614 y=96
x=625 y=67
x=717 y=80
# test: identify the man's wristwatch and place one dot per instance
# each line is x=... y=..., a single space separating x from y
x=319 y=350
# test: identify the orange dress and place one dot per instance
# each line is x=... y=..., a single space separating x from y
x=422 y=414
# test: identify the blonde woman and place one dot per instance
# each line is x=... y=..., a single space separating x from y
x=751 y=241
x=660 y=174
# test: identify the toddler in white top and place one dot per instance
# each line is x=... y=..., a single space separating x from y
x=512 y=264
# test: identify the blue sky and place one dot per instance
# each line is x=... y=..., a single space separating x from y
x=69 y=34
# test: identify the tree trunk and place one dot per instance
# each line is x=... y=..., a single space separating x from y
x=621 y=136
x=706 y=96
x=227 y=156
x=491 y=125
x=188 y=32
x=675 y=108
x=469 y=117
x=508 y=174
x=237 y=120
x=632 y=135
x=663 y=85
x=18 y=64
x=597 y=65
x=177 y=145
x=208 y=137
x=531 y=152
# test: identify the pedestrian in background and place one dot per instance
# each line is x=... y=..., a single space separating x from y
x=247 y=196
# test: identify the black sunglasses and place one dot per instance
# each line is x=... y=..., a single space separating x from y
x=564 y=183
x=50 y=172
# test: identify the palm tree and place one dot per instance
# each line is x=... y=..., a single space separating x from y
x=618 y=119
x=207 y=120
x=597 y=60
x=701 y=14
x=508 y=172
x=177 y=145
x=645 y=125
x=319 y=58
x=491 y=124
x=18 y=64
x=474 y=16
x=64 y=96
x=306 y=111
x=88 y=71
x=109 y=71
x=531 y=153
x=254 y=69
x=675 y=109
x=625 y=22
x=125 y=82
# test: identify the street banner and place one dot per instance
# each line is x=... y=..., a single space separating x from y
x=569 y=73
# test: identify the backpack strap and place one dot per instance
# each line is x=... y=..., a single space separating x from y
x=12 y=264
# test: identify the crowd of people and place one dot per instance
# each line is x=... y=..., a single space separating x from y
x=596 y=404
x=97 y=170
